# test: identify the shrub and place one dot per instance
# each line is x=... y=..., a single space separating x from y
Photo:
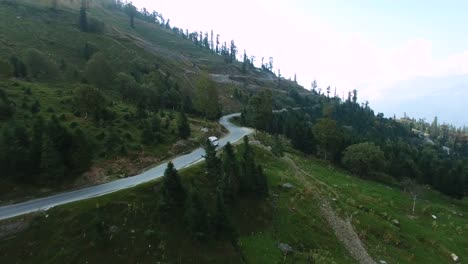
x=364 y=159
x=39 y=66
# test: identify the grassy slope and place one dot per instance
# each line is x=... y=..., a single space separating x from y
x=31 y=24
x=288 y=216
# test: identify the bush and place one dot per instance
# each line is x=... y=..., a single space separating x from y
x=5 y=69
x=96 y=26
x=99 y=72
x=364 y=159
x=39 y=66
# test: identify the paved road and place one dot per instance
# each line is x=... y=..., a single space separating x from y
x=235 y=133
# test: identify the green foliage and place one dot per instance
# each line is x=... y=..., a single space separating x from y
x=329 y=137
x=19 y=68
x=173 y=193
x=196 y=215
x=222 y=224
x=88 y=100
x=231 y=174
x=88 y=50
x=261 y=108
x=364 y=159
x=207 y=98
x=6 y=71
x=99 y=72
x=277 y=149
x=83 y=17
x=39 y=66
x=213 y=163
x=183 y=126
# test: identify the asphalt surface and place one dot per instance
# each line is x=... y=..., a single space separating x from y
x=9 y=211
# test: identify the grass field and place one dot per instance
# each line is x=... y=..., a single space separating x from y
x=125 y=227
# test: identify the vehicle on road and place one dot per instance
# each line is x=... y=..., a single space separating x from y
x=214 y=141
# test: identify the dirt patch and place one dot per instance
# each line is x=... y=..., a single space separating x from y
x=8 y=228
x=343 y=229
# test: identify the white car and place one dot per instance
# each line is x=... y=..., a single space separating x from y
x=214 y=141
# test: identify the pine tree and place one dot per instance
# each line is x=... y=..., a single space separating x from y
x=36 y=145
x=262 y=183
x=172 y=187
x=183 y=126
x=277 y=149
x=81 y=153
x=83 y=20
x=231 y=173
x=196 y=214
x=213 y=164
x=222 y=223
x=247 y=168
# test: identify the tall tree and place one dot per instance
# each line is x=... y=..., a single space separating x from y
x=196 y=214
x=212 y=163
x=207 y=98
x=99 y=72
x=329 y=137
x=231 y=173
x=172 y=191
x=183 y=125
x=83 y=19
x=131 y=11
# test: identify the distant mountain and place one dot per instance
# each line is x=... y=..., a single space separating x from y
x=426 y=97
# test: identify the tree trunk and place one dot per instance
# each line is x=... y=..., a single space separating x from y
x=414 y=203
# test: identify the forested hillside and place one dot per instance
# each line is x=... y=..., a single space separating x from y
x=95 y=90
x=369 y=145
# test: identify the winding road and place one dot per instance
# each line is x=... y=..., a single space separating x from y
x=9 y=211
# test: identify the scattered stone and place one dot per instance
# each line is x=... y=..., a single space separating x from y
x=113 y=229
x=287 y=185
x=255 y=142
x=434 y=217
x=383 y=262
x=396 y=222
x=285 y=248
x=454 y=257
x=204 y=129
x=334 y=199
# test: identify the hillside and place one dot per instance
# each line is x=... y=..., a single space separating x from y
x=127 y=227
x=116 y=88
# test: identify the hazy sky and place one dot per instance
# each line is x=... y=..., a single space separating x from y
x=365 y=44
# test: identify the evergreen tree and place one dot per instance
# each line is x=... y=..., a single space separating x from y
x=213 y=164
x=83 y=20
x=81 y=153
x=131 y=11
x=183 y=126
x=262 y=183
x=99 y=72
x=36 y=145
x=172 y=191
x=196 y=214
x=247 y=168
x=231 y=173
x=222 y=224
x=207 y=98
x=19 y=68
x=277 y=148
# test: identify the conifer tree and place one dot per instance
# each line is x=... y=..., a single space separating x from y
x=213 y=164
x=222 y=224
x=183 y=126
x=231 y=173
x=83 y=20
x=172 y=191
x=196 y=214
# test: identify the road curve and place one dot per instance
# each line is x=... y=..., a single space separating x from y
x=9 y=211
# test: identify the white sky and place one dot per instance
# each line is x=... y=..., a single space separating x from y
x=332 y=41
